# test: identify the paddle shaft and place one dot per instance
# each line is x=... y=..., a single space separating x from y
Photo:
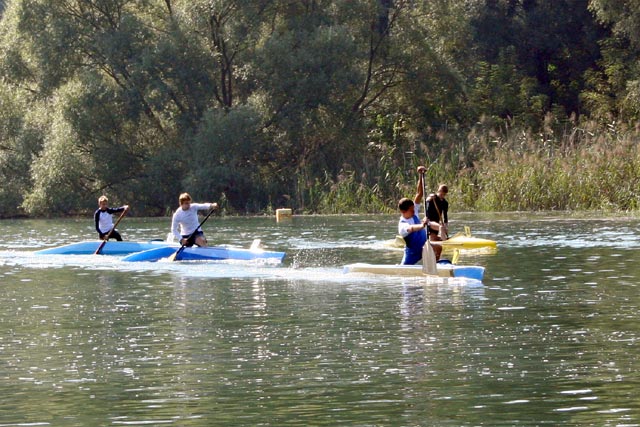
x=173 y=257
x=424 y=195
x=104 y=241
x=428 y=255
x=424 y=201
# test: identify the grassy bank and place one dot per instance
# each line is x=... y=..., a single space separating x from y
x=587 y=168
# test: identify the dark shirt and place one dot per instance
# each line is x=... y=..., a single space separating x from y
x=435 y=204
x=108 y=211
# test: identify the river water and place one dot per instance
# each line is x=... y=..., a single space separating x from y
x=549 y=338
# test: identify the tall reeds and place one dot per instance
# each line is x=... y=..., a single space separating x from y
x=588 y=167
x=592 y=168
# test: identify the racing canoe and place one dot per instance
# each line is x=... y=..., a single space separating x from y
x=155 y=250
x=110 y=248
x=459 y=241
x=209 y=253
x=444 y=270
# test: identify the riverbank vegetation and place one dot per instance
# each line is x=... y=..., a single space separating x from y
x=319 y=105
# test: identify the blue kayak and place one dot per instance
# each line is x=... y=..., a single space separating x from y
x=156 y=250
x=112 y=247
x=209 y=253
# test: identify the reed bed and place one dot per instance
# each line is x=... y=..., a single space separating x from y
x=588 y=168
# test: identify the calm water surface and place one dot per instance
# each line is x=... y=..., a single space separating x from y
x=549 y=338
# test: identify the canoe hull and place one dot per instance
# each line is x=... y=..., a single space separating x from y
x=156 y=250
x=210 y=253
x=456 y=242
x=444 y=270
x=110 y=248
x=467 y=242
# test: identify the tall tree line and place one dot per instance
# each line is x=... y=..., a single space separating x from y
x=270 y=103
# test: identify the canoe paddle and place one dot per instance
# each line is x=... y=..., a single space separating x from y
x=179 y=251
x=104 y=241
x=428 y=255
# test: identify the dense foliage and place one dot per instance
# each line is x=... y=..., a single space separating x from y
x=319 y=105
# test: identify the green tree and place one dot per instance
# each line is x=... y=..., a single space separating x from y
x=278 y=101
x=614 y=90
x=224 y=157
x=20 y=140
x=553 y=42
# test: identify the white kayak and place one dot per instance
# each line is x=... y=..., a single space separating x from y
x=444 y=270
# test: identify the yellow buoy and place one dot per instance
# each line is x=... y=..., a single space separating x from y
x=283 y=214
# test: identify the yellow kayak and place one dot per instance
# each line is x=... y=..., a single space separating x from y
x=459 y=241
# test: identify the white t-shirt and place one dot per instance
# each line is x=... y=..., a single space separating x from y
x=184 y=222
x=405 y=223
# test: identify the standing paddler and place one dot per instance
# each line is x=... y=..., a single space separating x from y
x=411 y=228
x=104 y=221
x=437 y=212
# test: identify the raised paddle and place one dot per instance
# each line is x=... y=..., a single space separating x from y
x=104 y=241
x=179 y=251
x=428 y=255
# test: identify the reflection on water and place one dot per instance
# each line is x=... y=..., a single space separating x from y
x=549 y=338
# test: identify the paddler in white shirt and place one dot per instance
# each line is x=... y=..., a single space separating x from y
x=185 y=221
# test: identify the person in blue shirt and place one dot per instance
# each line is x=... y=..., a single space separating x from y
x=104 y=221
x=411 y=228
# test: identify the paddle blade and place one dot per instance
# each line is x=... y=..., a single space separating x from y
x=443 y=233
x=174 y=257
x=456 y=256
x=429 y=260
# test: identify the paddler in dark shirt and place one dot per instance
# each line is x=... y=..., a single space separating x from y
x=104 y=221
x=437 y=212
